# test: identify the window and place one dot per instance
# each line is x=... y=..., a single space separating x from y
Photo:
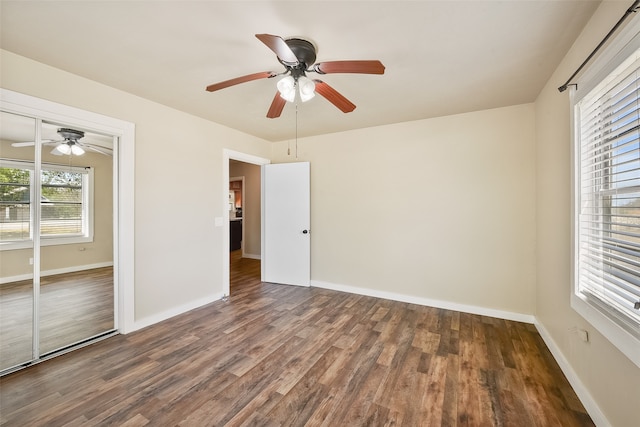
x=61 y=204
x=65 y=204
x=607 y=205
x=15 y=202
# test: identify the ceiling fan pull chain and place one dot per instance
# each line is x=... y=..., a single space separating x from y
x=70 y=169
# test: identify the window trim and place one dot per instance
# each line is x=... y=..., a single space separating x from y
x=619 y=50
x=87 y=206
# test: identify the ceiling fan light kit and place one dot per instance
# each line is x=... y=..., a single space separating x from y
x=287 y=88
x=298 y=56
x=69 y=145
x=68 y=148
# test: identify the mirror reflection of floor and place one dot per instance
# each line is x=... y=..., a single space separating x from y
x=73 y=307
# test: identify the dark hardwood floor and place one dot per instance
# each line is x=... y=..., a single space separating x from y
x=276 y=355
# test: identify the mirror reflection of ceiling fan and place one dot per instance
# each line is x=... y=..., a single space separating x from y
x=69 y=145
x=298 y=56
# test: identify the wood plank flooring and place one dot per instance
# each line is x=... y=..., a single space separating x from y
x=73 y=307
x=276 y=355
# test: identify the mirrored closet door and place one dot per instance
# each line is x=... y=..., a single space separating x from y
x=16 y=263
x=56 y=246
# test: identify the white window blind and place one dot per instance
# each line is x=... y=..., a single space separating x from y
x=608 y=274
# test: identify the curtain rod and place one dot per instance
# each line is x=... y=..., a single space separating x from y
x=634 y=7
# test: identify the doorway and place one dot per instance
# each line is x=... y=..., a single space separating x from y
x=237 y=199
x=246 y=169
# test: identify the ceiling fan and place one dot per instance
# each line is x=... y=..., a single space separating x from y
x=70 y=144
x=298 y=57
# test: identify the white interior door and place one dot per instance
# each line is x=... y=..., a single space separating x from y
x=286 y=254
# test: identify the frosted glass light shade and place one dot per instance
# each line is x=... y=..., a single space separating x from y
x=77 y=150
x=287 y=88
x=63 y=148
x=67 y=149
x=307 y=88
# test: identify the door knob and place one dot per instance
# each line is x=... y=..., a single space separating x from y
x=305 y=231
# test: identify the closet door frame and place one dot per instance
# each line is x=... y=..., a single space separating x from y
x=123 y=133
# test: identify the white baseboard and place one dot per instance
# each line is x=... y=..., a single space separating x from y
x=251 y=256
x=447 y=305
x=588 y=402
x=174 y=311
x=55 y=271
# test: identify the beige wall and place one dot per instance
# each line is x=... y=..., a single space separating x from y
x=250 y=206
x=610 y=378
x=442 y=209
x=178 y=250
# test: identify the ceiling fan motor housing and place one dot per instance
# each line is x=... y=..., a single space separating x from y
x=70 y=134
x=305 y=51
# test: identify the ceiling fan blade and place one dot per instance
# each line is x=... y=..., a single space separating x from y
x=277 y=106
x=238 y=80
x=279 y=47
x=32 y=143
x=359 y=67
x=334 y=97
x=23 y=144
x=101 y=150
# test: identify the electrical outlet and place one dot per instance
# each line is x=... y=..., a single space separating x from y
x=30 y=261
x=584 y=335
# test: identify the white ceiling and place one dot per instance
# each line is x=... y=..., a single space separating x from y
x=441 y=57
